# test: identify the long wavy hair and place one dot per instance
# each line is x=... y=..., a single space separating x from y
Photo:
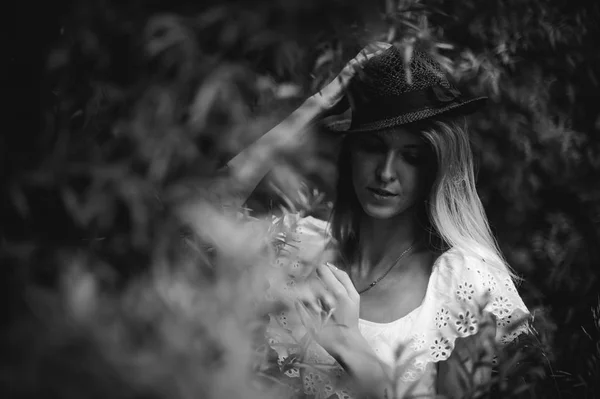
x=451 y=214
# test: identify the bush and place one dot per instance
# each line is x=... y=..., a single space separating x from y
x=142 y=103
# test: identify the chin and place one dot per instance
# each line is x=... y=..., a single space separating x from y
x=381 y=212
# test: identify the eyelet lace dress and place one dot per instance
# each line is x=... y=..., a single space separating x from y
x=462 y=290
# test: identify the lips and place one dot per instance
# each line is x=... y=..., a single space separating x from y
x=381 y=192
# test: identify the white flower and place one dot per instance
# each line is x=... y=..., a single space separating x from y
x=282 y=317
x=465 y=292
x=343 y=394
x=509 y=285
x=440 y=349
x=420 y=364
x=328 y=389
x=466 y=323
x=501 y=306
x=505 y=321
x=508 y=338
x=441 y=318
x=409 y=375
x=417 y=342
x=489 y=282
x=279 y=262
x=310 y=383
x=293 y=373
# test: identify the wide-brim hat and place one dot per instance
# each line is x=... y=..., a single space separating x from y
x=389 y=92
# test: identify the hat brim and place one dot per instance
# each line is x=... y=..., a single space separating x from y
x=461 y=108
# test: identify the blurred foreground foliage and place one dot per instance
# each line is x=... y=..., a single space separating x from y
x=143 y=101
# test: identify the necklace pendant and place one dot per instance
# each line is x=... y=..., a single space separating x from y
x=390 y=269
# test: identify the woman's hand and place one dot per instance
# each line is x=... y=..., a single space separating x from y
x=330 y=98
x=331 y=316
x=346 y=298
x=335 y=327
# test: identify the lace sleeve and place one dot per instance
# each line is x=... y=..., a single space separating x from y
x=462 y=292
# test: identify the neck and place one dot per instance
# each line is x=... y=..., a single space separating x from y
x=382 y=241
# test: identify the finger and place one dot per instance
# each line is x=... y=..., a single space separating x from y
x=305 y=317
x=369 y=52
x=343 y=278
x=349 y=72
x=313 y=322
x=362 y=57
x=331 y=282
x=358 y=61
x=355 y=64
x=309 y=299
x=314 y=292
x=313 y=304
x=325 y=298
x=378 y=46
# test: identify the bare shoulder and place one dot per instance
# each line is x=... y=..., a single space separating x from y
x=425 y=258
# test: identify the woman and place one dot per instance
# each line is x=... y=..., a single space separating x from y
x=419 y=287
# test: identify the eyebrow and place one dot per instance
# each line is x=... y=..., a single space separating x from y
x=384 y=139
x=416 y=146
x=385 y=135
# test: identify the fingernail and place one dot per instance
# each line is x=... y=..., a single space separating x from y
x=331 y=265
x=329 y=302
x=311 y=305
x=316 y=309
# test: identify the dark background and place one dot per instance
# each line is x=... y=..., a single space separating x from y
x=102 y=122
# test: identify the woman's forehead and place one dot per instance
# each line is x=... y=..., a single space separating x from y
x=399 y=135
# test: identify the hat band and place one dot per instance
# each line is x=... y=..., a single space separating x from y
x=393 y=106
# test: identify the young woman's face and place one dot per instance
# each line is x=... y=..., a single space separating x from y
x=389 y=171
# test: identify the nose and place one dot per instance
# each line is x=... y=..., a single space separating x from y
x=385 y=171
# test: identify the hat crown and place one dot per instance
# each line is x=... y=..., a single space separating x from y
x=389 y=75
x=389 y=92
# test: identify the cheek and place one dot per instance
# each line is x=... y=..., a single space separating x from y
x=415 y=178
x=361 y=169
x=427 y=175
x=413 y=182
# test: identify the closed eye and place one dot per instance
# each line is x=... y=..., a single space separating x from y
x=371 y=145
x=414 y=157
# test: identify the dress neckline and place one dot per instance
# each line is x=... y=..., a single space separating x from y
x=407 y=316
x=412 y=313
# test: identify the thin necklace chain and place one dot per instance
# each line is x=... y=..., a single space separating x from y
x=374 y=283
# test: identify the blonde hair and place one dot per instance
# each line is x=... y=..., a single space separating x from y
x=453 y=213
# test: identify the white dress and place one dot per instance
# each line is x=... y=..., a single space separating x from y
x=461 y=289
